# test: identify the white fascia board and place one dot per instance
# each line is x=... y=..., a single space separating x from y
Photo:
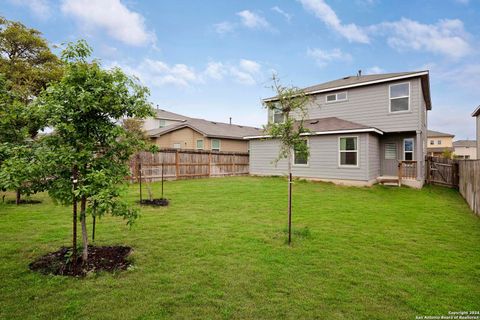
x=317 y=133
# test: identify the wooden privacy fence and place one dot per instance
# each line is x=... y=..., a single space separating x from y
x=469 y=183
x=461 y=174
x=185 y=164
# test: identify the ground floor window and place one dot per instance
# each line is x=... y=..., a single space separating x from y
x=298 y=157
x=348 y=151
x=215 y=145
x=408 y=149
x=176 y=146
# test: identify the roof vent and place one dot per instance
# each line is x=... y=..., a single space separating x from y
x=314 y=122
x=346 y=78
x=213 y=122
x=359 y=74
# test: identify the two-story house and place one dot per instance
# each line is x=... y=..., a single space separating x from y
x=439 y=142
x=361 y=128
x=171 y=130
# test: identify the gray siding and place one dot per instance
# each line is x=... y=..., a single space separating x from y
x=370 y=106
x=478 y=137
x=323 y=161
x=373 y=156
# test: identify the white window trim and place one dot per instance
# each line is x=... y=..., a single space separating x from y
x=219 y=145
x=160 y=123
x=439 y=142
x=413 y=148
x=390 y=98
x=273 y=115
x=203 y=144
x=340 y=153
x=308 y=158
x=336 y=97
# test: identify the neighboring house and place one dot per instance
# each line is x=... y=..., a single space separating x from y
x=182 y=132
x=439 y=142
x=476 y=114
x=465 y=149
x=361 y=127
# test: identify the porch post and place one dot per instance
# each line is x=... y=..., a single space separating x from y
x=420 y=156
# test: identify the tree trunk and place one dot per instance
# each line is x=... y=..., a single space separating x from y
x=83 y=221
x=289 y=198
x=74 y=237
x=18 y=198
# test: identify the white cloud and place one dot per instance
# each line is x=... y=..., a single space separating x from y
x=216 y=70
x=245 y=72
x=324 y=57
x=41 y=8
x=250 y=66
x=252 y=20
x=112 y=16
x=286 y=15
x=224 y=27
x=324 y=12
x=447 y=37
x=375 y=70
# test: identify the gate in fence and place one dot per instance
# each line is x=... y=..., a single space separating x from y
x=442 y=171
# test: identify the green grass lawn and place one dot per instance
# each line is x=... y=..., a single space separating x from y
x=219 y=252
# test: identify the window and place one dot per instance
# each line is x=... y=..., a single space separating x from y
x=341 y=96
x=408 y=149
x=348 y=150
x=399 y=97
x=439 y=142
x=215 y=145
x=277 y=116
x=200 y=144
x=161 y=123
x=390 y=151
x=432 y=142
x=176 y=146
x=300 y=159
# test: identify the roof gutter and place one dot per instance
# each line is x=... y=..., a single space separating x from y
x=476 y=112
x=318 y=133
x=359 y=84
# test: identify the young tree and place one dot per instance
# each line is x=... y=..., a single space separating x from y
x=292 y=103
x=27 y=66
x=91 y=150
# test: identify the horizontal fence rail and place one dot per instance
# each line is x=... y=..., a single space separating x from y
x=187 y=164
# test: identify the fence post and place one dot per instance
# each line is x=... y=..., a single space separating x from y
x=399 y=173
x=209 y=162
x=177 y=166
x=233 y=165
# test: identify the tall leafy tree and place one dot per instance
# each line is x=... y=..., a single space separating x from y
x=27 y=66
x=292 y=102
x=91 y=150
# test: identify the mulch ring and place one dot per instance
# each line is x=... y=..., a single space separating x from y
x=162 y=202
x=25 y=201
x=99 y=259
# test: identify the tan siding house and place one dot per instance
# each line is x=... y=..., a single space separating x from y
x=191 y=133
x=439 y=142
x=465 y=149
x=476 y=114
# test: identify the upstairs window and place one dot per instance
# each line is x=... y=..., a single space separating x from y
x=277 y=116
x=298 y=158
x=348 y=149
x=408 y=149
x=400 y=97
x=200 y=144
x=215 y=145
x=161 y=123
x=439 y=142
x=432 y=142
x=340 y=96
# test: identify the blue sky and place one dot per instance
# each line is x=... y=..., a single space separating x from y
x=214 y=59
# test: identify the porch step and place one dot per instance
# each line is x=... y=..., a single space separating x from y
x=389 y=181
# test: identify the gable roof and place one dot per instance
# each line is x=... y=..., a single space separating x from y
x=365 y=80
x=432 y=133
x=209 y=129
x=330 y=125
x=465 y=143
x=164 y=114
x=476 y=112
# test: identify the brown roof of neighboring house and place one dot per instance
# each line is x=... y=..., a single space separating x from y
x=331 y=125
x=432 y=134
x=476 y=112
x=210 y=129
x=465 y=143
x=364 y=80
x=164 y=114
x=439 y=149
